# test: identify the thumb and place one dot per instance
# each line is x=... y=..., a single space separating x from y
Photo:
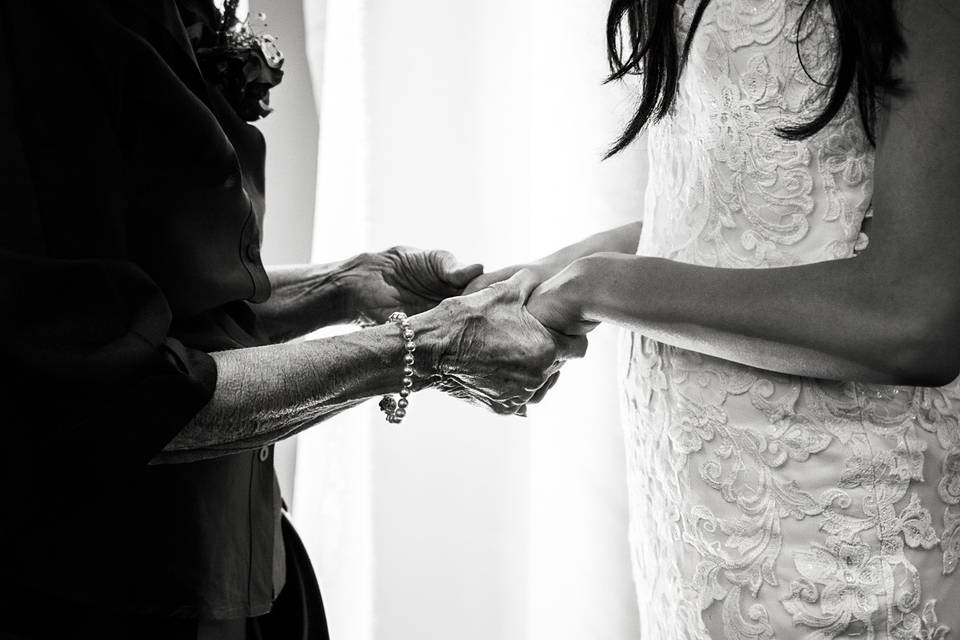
x=525 y=281
x=463 y=275
x=485 y=280
x=454 y=272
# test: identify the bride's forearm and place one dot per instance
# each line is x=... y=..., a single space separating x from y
x=842 y=320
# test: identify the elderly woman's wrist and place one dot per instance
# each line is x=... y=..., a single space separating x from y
x=351 y=282
x=388 y=367
x=435 y=330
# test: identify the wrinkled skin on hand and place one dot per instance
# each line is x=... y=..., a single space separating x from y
x=405 y=279
x=495 y=353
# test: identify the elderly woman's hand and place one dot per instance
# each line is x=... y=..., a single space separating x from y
x=403 y=279
x=488 y=349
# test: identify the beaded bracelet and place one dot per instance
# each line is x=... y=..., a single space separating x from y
x=395 y=410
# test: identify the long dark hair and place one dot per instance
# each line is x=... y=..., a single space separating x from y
x=641 y=39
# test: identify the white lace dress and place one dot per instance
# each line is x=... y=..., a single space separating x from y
x=765 y=505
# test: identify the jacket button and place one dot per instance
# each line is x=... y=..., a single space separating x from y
x=264 y=454
x=253 y=252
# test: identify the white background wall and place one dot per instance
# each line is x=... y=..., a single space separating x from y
x=291 y=135
x=476 y=127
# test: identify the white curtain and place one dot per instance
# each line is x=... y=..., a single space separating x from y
x=476 y=127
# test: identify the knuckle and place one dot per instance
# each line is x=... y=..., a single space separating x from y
x=397 y=251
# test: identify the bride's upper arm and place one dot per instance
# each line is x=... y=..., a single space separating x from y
x=916 y=229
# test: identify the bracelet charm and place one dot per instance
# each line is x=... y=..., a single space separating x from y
x=396 y=409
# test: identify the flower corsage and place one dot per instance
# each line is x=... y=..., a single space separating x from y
x=241 y=62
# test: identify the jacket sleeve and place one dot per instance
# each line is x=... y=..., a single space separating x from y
x=89 y=362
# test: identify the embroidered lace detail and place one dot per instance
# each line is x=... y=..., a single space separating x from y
x=766 y=505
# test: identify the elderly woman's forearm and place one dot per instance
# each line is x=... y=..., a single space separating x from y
x=305 y=298
x=265 y=394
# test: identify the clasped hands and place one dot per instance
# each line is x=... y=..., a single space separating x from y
x=497 y=340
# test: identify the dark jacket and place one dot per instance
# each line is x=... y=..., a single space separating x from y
x=131 y=199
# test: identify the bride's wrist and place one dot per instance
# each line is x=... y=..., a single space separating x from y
x=585 y=278
x=554 y=263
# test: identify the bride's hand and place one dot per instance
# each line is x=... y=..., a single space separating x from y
x=540 y=271
x=558 y=303
x=618 y=240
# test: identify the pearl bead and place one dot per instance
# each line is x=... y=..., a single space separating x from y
x=396 y=410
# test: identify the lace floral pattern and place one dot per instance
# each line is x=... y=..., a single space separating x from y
x=764 y=505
